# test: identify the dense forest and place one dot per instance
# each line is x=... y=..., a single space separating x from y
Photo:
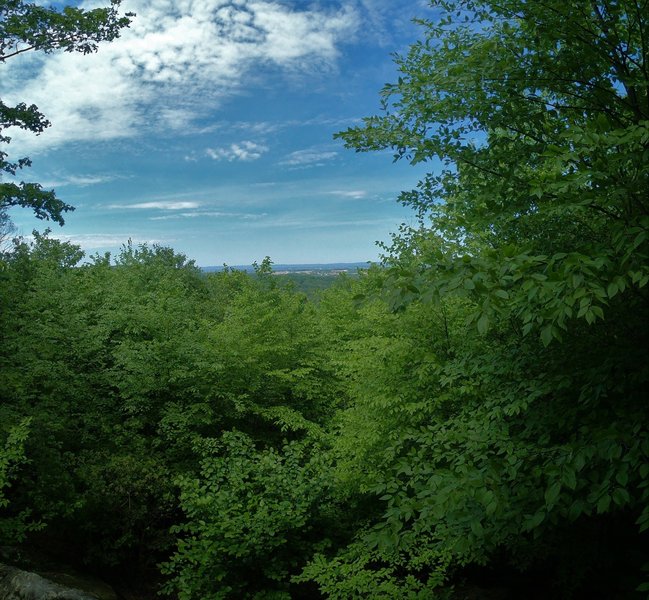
x=468 y=419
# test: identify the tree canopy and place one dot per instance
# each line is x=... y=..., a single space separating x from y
x=539 y=113
x=467 y=419
x=535 y=229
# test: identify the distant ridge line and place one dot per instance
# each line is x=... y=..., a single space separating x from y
x=295 y=267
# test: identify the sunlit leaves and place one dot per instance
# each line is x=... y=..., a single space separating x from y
x=240 y=515
x=125 y=365
x=533 y=229
x=25 y=27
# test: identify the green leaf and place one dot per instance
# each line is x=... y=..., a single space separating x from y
x=575 y=510
x=476 y=528
x=643 y=520
x=546 y=335
x=621 y=496
x=533 y=521
x=483 y=323
x=552 y=493
x=569 y=478
x=603 y=504
x=598 y=312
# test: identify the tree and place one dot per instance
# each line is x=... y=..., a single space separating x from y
x=249 y=515
x=124 y=368
x=523 y=441
x=539 y=113
x=25 y=27
x=12 y=454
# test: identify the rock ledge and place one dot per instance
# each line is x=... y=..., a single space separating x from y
x=16 y=584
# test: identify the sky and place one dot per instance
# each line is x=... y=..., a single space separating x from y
x=208 y=127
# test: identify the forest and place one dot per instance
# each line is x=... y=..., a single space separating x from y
x=467 y=419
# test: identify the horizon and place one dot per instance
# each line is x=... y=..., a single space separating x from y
x=293 y=266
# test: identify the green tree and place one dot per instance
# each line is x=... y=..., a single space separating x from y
x=13 y=527
x=124 y=367
x=524 y=441
x=539 y=115
x=6 y=229
x=83 y=345
x=26 y=27
x=248 y=519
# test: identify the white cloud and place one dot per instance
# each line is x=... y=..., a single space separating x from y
x=267 y=127
x=175 y=63
x=78 y=180
x=158 y=205
x=260 y=127
x=318 y=222
x=211 y=214
x=309 y=157
x=176 y=119
x=245 y=151
x=355 y=194
x=96 y=241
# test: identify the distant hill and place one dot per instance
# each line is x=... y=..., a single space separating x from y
x=310 y=279
x=315 y=269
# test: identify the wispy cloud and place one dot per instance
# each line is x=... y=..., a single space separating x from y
x=175 y=63
x=267 y=127
x=355 y=194
x=157 y=205
x=259 y=127
x=211 y=214
x=382 y=19
x=308 y=158
x=77 y=180
x=244 y=151
x=101 y=241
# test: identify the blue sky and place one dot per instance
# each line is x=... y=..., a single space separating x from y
x=208 y=127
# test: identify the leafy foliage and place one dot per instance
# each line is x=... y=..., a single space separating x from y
x=476 y=405
x=486 y=444
x=538 y=114
x=248 y=517
x=124 y=368
x=17 y=526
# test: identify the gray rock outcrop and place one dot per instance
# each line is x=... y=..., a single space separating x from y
x=16 y=584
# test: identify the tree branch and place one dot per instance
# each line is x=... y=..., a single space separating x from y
x=6 y=56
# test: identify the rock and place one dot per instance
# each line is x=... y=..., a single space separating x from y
x=16 y=584
x=86 y=583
